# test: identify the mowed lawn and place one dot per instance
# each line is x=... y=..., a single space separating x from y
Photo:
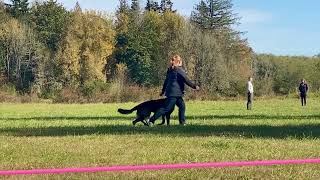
x=90 y=135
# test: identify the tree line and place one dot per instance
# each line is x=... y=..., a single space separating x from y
x=281 y=75
x=46 y=49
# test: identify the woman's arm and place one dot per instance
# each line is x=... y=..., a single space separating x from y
x=165 y=84
x=186 y=79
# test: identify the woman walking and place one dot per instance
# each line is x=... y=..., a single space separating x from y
x=174 y=89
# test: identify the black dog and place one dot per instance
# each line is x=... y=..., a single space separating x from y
x=145 y=109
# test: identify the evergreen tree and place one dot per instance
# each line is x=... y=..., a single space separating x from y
x=123 y=6
x=135 y=5
x=4 y=15
x=122 y=28
x=122 y=17
x=148 y=5
x=166 y=5
x=214 y=14
x=134 y=11
x=152 y=6
x=19 y=8
x=77 y=7
x=50 y=19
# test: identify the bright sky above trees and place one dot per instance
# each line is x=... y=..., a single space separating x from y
x=286 y=27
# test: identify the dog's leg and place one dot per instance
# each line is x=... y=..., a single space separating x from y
x=163 y=120
x=145 y=123
x=146 y=116
x=168 y=119
x=138 y=120
x=168 y=116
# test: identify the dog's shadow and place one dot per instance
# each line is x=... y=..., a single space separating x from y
x=252 y=130
x=132 y=117
x=247 y=131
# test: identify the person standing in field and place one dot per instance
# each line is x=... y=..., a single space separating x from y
x=249 y=93
x=303 y=89
x=174 y=89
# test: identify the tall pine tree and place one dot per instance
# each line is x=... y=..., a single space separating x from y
x=214 y=14
x=19 y=8
x=135 y=5
x=166 y=6
x=122 y=14
x=123 y=6
x=122 y=28
x=152 y=6
x=135 y=11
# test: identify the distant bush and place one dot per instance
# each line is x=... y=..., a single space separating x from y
x=7 y=97
x=10 y=95
x=9 y=89
x=67 y=95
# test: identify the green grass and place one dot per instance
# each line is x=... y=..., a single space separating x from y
x=58 y=136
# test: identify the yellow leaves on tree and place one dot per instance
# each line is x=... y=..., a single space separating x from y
x=88 y=43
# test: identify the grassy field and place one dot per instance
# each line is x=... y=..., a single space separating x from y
x=58 y=136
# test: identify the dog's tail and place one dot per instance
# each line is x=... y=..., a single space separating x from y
x=125 y=111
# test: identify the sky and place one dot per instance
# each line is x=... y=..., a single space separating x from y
x=280 y=27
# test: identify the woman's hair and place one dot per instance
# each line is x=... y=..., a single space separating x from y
x=176 y=61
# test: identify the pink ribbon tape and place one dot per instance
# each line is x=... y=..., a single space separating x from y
x=159 y=167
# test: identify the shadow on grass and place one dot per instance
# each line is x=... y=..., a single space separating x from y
x=80 y=118
x=248 y=131
x=131 y=117
x=256 y=116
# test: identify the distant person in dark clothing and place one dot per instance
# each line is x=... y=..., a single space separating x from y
x=303 y=89
x=174 y=89
x=249 y=93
